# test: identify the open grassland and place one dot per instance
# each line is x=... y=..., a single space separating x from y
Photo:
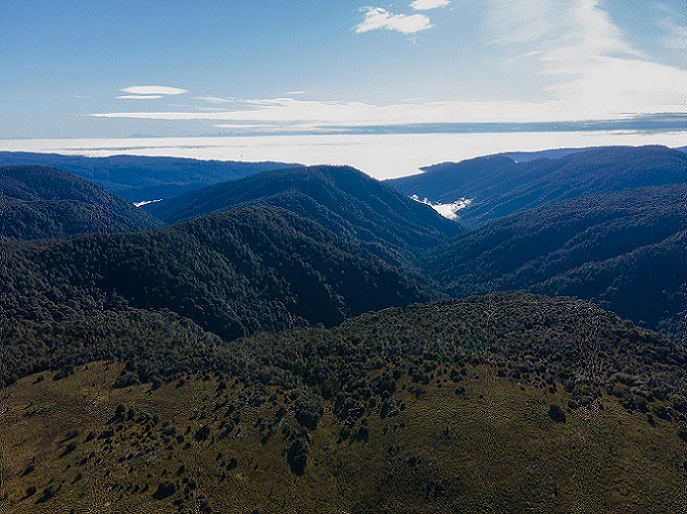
x=465 y=441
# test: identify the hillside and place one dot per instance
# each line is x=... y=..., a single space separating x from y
x=259 y=268
x=340 y=198
x=39 y=202
x=139 y=178
x=507 y=402
x=499 y=186
x=623 y=250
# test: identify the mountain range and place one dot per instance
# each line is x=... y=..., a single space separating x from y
x=285 y=342
x=142 y=178
x=499 y=186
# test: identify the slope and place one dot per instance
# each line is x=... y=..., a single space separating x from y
x=624 y=250
x=139 y=178
x=342 y=199
x=260 y=268
x=505 y=403
x=500 y=186
x=38 y=202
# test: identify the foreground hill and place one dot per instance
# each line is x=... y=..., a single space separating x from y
x=504 y=403
x=260 y=268
x=627 y=251
x=39 y=202
x=499 y=186
x=139 y=178
x=340 y=198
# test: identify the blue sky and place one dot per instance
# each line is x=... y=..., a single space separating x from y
x=112 y=68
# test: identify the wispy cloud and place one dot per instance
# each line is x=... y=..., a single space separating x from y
x=580 y=49
x=426 y=5
x=295 y=93
x=285 y=113
x=377 y=18
x=675 y=34
x=138 y=97
x=153 y=90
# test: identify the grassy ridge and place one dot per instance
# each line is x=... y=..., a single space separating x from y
x=437 y=407
x=492 y=448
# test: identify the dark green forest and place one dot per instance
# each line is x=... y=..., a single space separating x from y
x=500 y=186
x=342 y=199
x=38 y=202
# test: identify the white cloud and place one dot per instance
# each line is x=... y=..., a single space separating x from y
x=282 y=112
x=593 y=69
x=426 y=5
x=153 y=90
x=377 y=18
x=295 y=93
x=138 y=97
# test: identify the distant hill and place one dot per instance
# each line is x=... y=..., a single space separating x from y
x=259 y=268
x=542 y=154
x=512 y=401
x=340 y=198
x=499 y=186
x=38 y=202
x=139 y=178
x=625 y=250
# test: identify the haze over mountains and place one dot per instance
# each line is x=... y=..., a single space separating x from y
x=206 y=328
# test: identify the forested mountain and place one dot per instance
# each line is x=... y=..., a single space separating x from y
x=139 y=178
x=259 y=268
x=499 y=186
x=513 y=401
x=340 y=198
x=215 y=364
x=626 y=250
x=38 y=202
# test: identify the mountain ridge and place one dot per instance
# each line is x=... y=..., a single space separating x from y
x=39 y=202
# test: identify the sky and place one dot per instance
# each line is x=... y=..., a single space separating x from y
x=115 y=68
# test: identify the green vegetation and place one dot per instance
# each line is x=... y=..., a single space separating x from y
x=431 y=408
x=624 y=250
x=139 y=178
x=500 y=186
x=341 y=199
x=38 y=202
x=233 y=274
x=216 y=365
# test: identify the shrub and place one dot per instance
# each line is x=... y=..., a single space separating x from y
x=164 y=489
x=203 y=433
x=298 y=455
x=557 y=414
